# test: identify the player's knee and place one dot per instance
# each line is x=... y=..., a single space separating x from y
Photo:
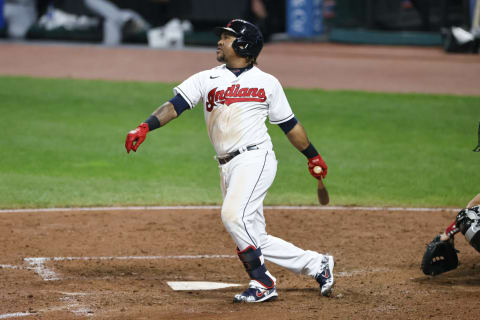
x=231 y=218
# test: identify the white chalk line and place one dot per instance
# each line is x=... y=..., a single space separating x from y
x=352 y=273
x=15 y=315
x=9 y=266
x=162 y=208
x=38 y=264
x=71 y=305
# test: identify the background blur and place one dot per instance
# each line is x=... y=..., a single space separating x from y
x=394 y=115
x=174 y=23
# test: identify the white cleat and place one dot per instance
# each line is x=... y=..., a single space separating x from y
x=256 y=293
x=325 y=276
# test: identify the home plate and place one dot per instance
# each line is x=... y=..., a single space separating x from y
x=199 y=285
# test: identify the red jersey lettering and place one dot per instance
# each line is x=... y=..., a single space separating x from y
x=234 y=94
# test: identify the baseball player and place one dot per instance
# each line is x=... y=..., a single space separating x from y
x=237 y=97
x=467 y=222
x=440 y=255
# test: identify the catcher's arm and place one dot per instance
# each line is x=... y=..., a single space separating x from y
x=453 y=229
x=450 y=231
x=474 y=202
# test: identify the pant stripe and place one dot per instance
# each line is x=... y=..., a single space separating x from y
x=243 y=215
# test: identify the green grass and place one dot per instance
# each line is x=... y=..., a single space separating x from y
x=63 y=145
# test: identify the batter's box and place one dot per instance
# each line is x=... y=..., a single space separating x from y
x=110 y=267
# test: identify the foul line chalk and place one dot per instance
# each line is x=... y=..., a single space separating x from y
x=199 y=285
x=38 y=263
x=71 y=305
x=15 y=315
x=38 y=266
x=152 y=208
x=75 y=307
x=358 y=272
x=8 y=266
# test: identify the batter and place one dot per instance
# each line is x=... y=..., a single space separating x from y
x=237 y=98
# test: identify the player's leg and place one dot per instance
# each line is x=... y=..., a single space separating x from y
x=285 y=254
x=245 y=181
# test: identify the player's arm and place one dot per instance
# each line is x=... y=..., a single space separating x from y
x=159 y=118
x=452 y=229
x=297 y=136
x=474 y=202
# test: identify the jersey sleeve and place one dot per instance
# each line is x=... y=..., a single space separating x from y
x=190 y=89
x=279 y=109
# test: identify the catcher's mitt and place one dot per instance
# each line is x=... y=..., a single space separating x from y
x=440 y=256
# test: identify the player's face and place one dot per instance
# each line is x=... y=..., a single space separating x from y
x=225 y=52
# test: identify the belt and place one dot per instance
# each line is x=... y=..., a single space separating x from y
x=233 y=154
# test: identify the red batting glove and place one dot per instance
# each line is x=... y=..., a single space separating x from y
x=317 y=161
x=136 y=136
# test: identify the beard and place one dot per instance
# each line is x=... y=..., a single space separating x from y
x=221 y=57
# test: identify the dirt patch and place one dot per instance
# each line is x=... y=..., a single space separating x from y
x=303 y=65
x=377 y=266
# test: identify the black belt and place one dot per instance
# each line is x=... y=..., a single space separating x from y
x=233 y=154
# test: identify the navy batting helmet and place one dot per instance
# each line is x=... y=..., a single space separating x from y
x=249 y=40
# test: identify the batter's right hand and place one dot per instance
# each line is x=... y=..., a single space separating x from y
x=317 y=161
x=136 y=136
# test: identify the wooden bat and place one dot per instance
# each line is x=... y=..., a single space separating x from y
x=477 y=148
x=322 y=192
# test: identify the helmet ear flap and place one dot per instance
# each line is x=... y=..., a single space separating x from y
x=241 y=47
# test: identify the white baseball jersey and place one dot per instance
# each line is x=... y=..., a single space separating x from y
x=236 y=107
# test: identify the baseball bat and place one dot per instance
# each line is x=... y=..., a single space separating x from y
x=477 y=148
x=322 y=191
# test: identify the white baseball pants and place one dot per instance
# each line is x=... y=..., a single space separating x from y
x=245 y=181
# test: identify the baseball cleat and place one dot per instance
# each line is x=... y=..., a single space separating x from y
x=325 y=276
x=256 y=293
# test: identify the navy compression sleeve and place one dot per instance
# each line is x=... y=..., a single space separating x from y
x=179 y=104
x=288 y=125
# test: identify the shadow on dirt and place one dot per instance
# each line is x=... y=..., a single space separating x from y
x=466 y=275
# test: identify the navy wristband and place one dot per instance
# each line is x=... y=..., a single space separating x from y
x=152 y=123
x=310 y=151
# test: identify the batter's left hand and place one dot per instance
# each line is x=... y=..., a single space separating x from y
x=314 y=162
x=136 y=136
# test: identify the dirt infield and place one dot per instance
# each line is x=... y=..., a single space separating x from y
x=51 y=264
x=377 y=266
